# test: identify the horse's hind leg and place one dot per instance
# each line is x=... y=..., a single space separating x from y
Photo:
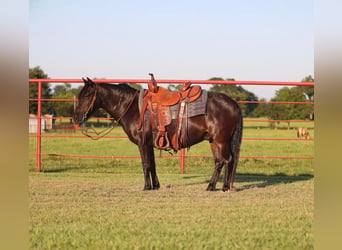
x=221 y=160
x=216 y=174
x=228 y=175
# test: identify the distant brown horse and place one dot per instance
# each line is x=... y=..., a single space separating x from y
x=221 y=126
x=303 y=132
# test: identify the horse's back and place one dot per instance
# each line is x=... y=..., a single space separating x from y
x=219 y=103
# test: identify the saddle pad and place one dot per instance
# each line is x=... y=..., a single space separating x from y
x=198 y=107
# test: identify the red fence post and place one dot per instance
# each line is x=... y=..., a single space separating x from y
x=182 y=160
x=39 y=126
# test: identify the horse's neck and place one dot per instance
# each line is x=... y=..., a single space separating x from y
x=118 y=105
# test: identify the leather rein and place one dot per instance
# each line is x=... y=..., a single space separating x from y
x=90 y=131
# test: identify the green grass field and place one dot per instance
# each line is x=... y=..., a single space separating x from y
x=83 y=203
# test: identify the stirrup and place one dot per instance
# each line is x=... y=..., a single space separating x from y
x=162 y=141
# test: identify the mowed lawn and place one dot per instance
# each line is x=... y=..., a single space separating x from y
x=84 y=203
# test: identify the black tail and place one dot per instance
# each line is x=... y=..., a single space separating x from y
x=235 y=146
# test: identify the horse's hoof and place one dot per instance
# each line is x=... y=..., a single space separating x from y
x=210 y=188
x=225 y=188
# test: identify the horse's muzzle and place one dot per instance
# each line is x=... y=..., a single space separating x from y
x=78 y=119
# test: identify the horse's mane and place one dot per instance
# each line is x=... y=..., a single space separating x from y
x=121 y=87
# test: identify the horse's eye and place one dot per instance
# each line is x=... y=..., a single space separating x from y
x=87 y=95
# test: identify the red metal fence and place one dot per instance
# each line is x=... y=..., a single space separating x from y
x=182 y=155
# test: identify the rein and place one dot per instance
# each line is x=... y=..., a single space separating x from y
x=90 y=131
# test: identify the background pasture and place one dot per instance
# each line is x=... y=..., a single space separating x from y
x=99 y=203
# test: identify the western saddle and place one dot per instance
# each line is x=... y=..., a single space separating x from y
x=157 y=100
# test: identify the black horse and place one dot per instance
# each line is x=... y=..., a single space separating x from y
x=221 y=126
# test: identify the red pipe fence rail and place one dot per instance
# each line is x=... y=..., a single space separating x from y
x=182 y=155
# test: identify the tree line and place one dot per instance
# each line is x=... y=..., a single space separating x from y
x=237 y=92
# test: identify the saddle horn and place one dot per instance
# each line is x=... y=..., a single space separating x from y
x=152 y=84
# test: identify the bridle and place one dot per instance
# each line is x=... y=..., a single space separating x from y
x=89 y=131
x=91 y=106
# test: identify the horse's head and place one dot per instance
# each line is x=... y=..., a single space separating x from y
x=86 y=102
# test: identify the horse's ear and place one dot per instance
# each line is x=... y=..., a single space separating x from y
x=85 y=81
x=90 y=82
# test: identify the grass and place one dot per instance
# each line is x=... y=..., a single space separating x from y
x=99 y=203
x=101 y=211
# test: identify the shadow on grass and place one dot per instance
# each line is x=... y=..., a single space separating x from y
x=262 y=180
x=79 y=169
x=247 y=180
x=257 y=180
x=63 y=169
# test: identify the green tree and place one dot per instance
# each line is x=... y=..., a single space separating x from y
x=262 y=110
x=38 y=73
x=308 y=91
x=289 y=111
x=238 y=93
x=63 y=108
x=62 y=89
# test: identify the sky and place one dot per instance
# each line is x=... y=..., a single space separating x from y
x=255 y=40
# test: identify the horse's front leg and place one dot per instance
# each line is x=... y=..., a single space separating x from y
x=155 y=181
x=149 y=167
